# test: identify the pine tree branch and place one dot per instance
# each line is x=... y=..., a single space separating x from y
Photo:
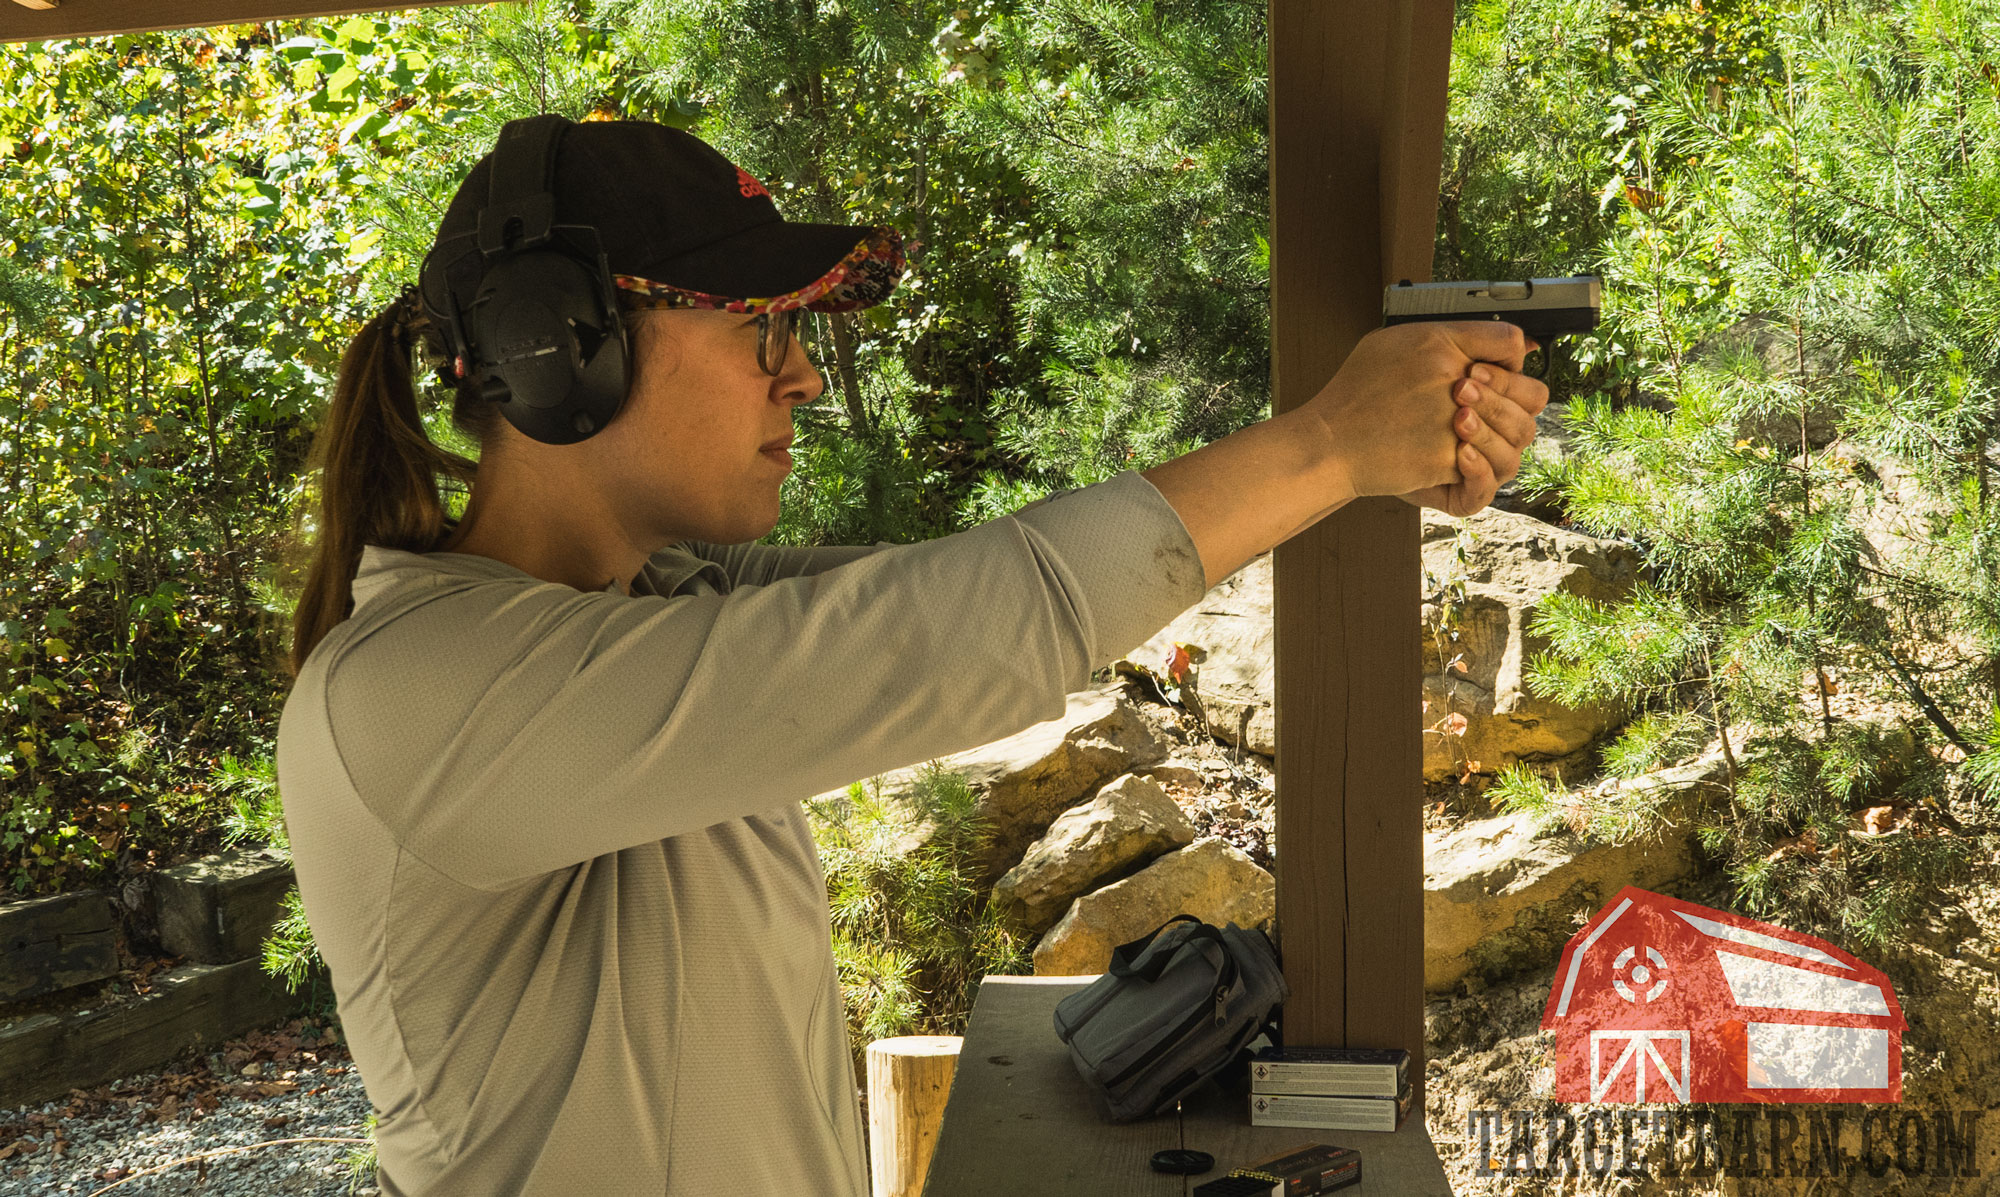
x=1904 y=579
x=1921 y=698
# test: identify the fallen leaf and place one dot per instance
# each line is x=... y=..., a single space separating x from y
x=1878 y=819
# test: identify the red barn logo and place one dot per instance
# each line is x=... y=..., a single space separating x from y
x=749 y=186
x=1662 y=1000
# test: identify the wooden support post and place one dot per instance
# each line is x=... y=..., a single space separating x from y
x=1358 y=99
x=909 y=1078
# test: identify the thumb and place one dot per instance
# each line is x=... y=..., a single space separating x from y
x=1493 y=341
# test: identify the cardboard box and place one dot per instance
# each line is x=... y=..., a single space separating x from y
x=1299 y=1172
x=1331 y=1071
x=1324 y=1112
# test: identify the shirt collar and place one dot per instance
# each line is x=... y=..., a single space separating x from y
x=383 y=569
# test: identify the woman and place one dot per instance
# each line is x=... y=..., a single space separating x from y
x=542 y=768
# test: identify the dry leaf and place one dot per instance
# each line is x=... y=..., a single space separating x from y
x=1880 y=820
x=1644 y=199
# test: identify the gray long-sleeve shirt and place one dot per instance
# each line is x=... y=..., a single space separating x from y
x=551 y=843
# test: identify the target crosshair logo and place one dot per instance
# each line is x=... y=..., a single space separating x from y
x=1639 y=974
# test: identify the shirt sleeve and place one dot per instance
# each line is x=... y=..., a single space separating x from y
x=501 y=732
x=754 y=564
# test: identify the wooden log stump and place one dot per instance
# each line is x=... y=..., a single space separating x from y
x=53 y=943
x=222 y=907
x=909 y=1078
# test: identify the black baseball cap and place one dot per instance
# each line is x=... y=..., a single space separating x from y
x=682 y=226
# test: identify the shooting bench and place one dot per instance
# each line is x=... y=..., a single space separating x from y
x=1019 y=1120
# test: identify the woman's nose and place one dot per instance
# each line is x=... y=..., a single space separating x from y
x=804 y=381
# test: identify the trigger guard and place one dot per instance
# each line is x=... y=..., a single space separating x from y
x=1548 y=353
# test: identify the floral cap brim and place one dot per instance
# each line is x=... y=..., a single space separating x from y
x=861 y=279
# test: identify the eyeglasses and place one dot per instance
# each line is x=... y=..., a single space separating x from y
x=772 y=345
x=772 y=358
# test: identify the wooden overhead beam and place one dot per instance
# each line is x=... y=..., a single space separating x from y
x=41 y=20
x=1358 y=100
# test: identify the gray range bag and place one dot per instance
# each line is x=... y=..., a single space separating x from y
x=1176 y=1008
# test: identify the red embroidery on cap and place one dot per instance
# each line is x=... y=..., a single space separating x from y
x=748 y=185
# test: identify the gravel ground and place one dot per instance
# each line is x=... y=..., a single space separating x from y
x=289 y=1082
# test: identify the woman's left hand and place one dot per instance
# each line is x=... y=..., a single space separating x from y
x=1495 y=422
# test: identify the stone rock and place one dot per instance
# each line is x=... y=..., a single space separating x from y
x=1025 y=780
x=1128 y=823
x=1174 y=774
x=1512 y=565
x=1211 y=879
x=1897 y=511
x=1232 y=624
x=1498 y=897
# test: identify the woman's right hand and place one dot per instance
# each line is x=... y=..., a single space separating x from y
x=1393 y=412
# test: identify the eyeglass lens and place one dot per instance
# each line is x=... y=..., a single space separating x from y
x=772 y=359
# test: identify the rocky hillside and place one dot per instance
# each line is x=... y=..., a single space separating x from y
x=1150 y=798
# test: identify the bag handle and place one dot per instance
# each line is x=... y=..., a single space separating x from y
x=1124 y=954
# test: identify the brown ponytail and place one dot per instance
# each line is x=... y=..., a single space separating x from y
x=378 y=471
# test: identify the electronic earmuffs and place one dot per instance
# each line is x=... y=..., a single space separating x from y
x=543 y=335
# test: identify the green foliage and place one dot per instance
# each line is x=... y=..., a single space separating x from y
x=362 y=1162
x=255 y=812
x=1801 y=221
x=1551 y=124
x=195 y=224
x=1085 y=189
x=912 y=933
x=179 y=281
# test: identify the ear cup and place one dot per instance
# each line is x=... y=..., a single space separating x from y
x=552 y=349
